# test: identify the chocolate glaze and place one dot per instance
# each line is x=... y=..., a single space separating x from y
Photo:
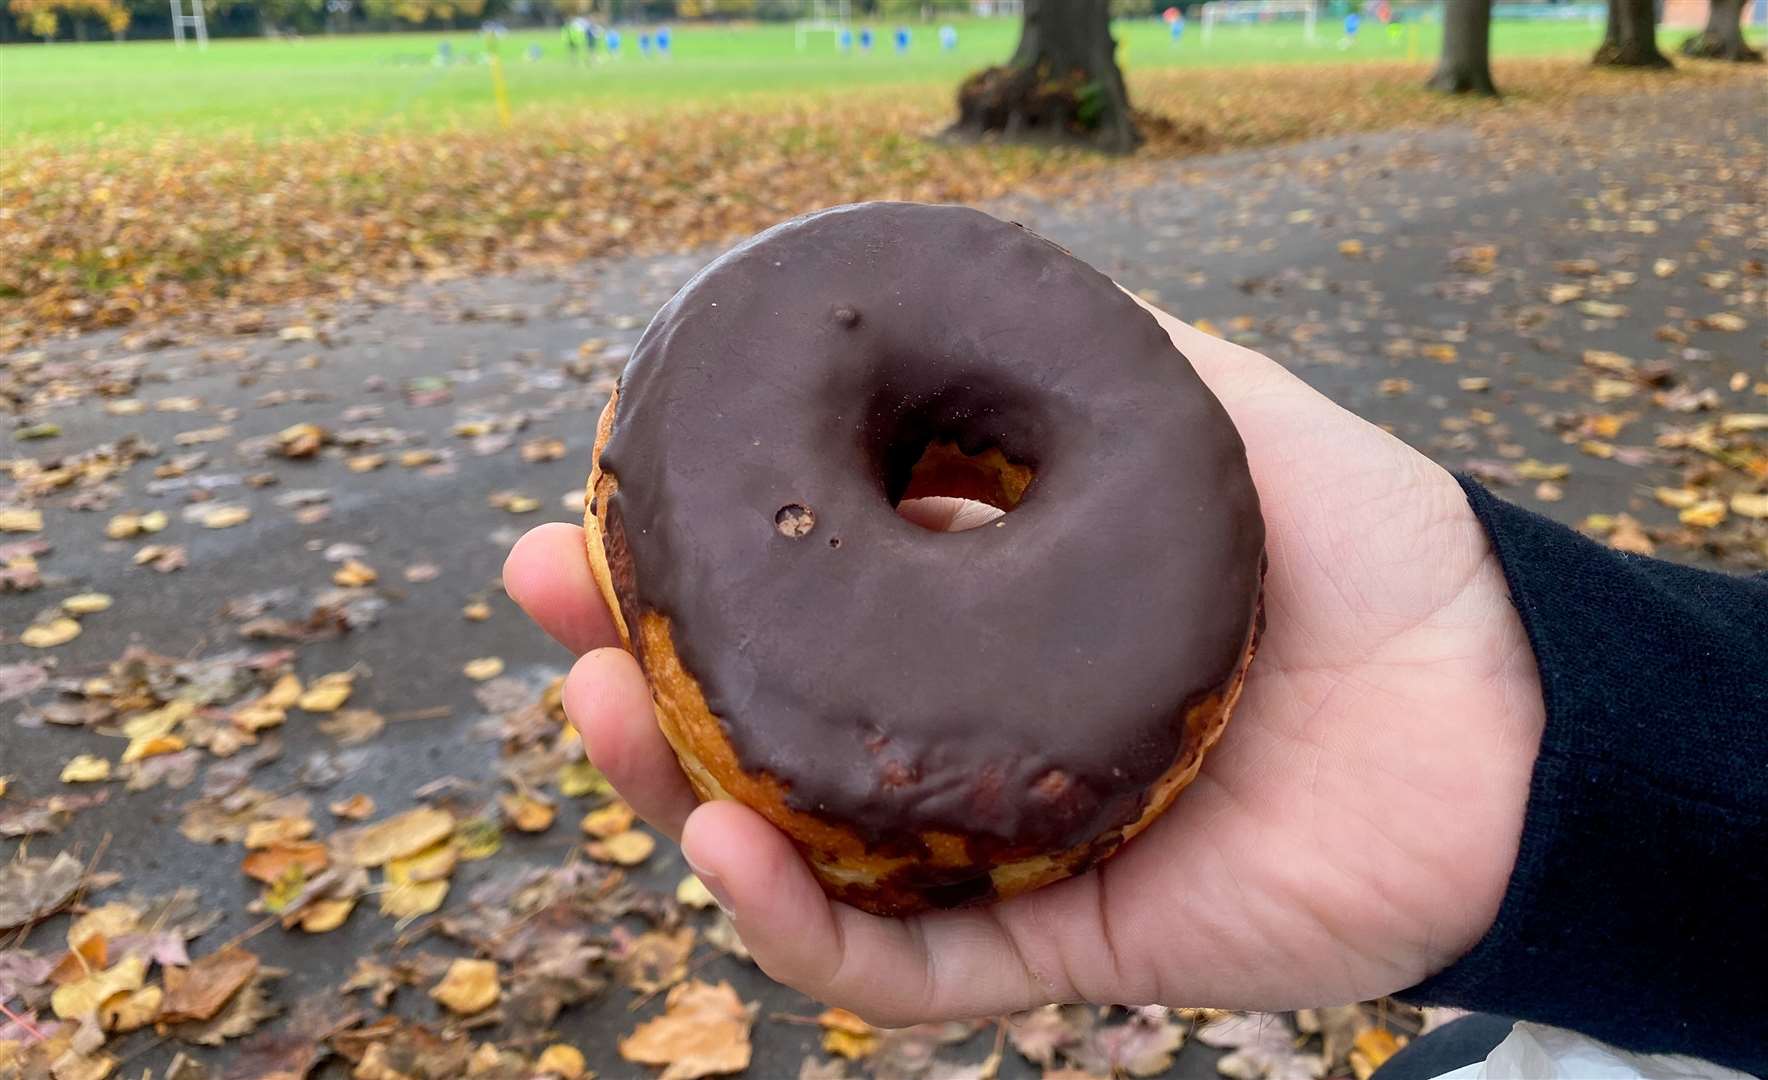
x=1022 y=684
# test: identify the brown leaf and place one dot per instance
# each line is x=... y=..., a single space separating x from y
x=396 y=837
x=35 y=888
x=656 y=960
x=199 y=991
x=704 y=1031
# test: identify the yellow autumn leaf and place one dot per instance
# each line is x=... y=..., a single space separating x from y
x=354 y=575
x=477 y=611
x=417 y=884
x=86 y=603
x=609 y=820
x=284 y=694
x=323 y=916
x=1750 y=506
x=152 y=746
x=485 y=667
x=273 y=831
x=692 y=892
x=528 y=814
x=327 y=693
x=1676 y=498
x=400 y=836
x=19 y=519
x=132 y=1010
x=85 y=769
x=82 y=997
x=226 y=517
x=47 y=635
x=470 y=986
x=627 y=849
x=565 y=1062
x=1704 y=514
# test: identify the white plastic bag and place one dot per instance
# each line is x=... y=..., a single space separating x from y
x=1534 y=1052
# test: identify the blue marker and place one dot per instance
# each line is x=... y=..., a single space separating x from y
x=865 y=39
x=612 y=37
x=1351 y=22
x=1177 y=29
x=902 y=39
x=663 y=40
x=644 y=44
x=844 y=40
x=948 y=38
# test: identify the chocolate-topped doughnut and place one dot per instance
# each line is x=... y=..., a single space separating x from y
x=936 y=718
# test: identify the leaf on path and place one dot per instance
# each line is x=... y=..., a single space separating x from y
x=527 y=813
x=327 y=693
x=846 y=1035
x=1262 y=1048
x=85 y=769
x=86 y=603
x=397 y=837
x=610 y=820
x=81 y=999
x=485 y=667
x=704 y=1031
x=18 y=519
x=240 y=1016
x=417 y=884
x=470 y=986
x=47 y=635
x=655 y=960
x=628 y=848
x=199 y=991
x=35 y=888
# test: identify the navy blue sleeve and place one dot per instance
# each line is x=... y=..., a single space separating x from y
x=1638 y=909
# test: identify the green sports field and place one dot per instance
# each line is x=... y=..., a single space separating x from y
x=280 y=88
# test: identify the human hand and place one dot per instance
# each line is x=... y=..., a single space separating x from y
x=1352 y=833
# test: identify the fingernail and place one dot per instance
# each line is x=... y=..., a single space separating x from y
x=714 y=885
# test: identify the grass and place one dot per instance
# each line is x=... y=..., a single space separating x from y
x=70 y=94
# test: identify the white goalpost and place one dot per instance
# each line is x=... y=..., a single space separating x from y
x=189 y=13
x=1259 y=13
x=830 y=16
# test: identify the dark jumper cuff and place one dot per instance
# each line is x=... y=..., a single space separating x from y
x=1638 y=909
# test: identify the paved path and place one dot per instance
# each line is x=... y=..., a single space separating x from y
x=1393 y=272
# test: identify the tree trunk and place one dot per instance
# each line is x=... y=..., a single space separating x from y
x=1723 y=37
x=1466 y=65
x=1062 y=82
x=1631 y=40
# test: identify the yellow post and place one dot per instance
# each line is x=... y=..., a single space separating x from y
x=500 y=91
x=1411 y=41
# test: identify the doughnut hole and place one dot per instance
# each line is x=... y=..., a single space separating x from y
x=951 y=491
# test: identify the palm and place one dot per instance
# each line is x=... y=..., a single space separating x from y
x=1351 y=833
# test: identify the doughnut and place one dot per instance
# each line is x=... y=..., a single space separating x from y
x=935 y=718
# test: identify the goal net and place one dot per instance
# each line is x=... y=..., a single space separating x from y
x=821 y=17
x=1238 y=14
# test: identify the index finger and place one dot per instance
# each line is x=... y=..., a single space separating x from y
x=547 y=574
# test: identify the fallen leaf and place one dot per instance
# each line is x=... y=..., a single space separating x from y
x=1726 y=321
x=225 y=517
x=273 y=863
x=322 y=916
x=1741 y=422
x=397 y=837
x=199 y=991
x=528 y=814
x=86 y=603
x=846 y=1035
x=19 y=519
x=565 y=1062
x=130 y=1011
x=1704 y=514
x=85 y=769
x=1531 y=469
x=692 y=892
x=580 y=778
x=610 y=820
x=1371 y=1050
x=355 y=808
x=628 y=848
x=655 y=960
x=328 y=692
x=82 y=998
x=485 y=667
x=47 y=635
x=1598 y=309
x=1750 y=506
x=417 y=884
x=354 y=575
x=470 y=986
x=704 y=1031
x=270 y=832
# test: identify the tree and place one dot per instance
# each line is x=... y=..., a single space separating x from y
x=1466 y=64
x=1062 y=82
x=1723 y=37
x=42 y=18
x=422 y=11
x=1631 y=38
